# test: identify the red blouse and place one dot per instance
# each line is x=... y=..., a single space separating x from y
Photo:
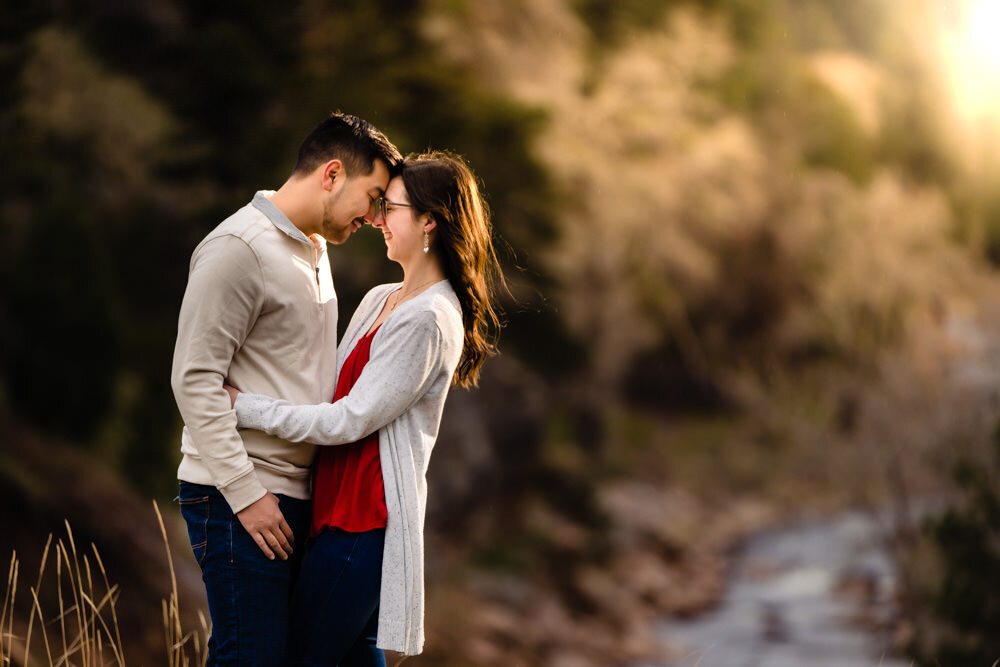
x=348 y=491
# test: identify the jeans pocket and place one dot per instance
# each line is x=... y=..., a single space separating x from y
x=195 y=512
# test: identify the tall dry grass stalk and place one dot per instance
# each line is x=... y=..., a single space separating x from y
x=177 y=641
x=6 y=612
x=88 y=632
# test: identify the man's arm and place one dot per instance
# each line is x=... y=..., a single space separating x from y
x=223 y=299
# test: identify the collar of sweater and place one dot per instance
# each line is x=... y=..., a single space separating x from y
x=262 y=202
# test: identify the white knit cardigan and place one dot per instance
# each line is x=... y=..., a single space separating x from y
x=400 y=393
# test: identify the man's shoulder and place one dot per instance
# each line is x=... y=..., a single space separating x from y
x=248 y=227
x=247 y=223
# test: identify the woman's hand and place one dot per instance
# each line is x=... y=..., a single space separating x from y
x=233 y=393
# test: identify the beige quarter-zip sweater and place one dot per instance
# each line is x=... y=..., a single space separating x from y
x=260 y=311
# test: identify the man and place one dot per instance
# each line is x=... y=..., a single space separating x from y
x=260 y=310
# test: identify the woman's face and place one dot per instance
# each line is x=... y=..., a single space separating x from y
x=401 y=228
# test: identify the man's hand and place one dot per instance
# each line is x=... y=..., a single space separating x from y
x=233 y=393
x=267 y=526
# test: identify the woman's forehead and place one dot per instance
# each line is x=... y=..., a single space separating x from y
x=396 y=191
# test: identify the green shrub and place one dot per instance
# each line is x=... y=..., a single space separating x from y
x=964 y=603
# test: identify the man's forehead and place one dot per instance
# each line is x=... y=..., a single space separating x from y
x=379 y=177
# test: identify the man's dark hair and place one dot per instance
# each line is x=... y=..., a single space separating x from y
x=355 y=142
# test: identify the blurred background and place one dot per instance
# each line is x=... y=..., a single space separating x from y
x=754 y=246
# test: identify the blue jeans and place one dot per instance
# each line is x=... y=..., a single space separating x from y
x=334 y=616
x=247 y=593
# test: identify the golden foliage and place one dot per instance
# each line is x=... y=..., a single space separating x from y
x=665 y=185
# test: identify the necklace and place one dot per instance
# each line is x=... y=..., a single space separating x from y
x=403 y=296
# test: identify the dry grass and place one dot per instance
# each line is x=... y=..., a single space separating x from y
x=83 y=629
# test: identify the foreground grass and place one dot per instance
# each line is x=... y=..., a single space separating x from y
x=83 y=627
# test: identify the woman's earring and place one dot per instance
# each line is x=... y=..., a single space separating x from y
x=427 y=241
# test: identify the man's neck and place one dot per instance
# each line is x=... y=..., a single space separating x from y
x=289 y=202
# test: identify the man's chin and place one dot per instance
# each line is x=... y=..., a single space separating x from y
x=338 y=237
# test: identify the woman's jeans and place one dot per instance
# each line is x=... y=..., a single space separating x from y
x=247 y=593
x=334 y=616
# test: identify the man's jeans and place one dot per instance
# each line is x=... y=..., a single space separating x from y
x=248 y=594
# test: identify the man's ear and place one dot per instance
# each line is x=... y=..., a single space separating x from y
x=332 y=170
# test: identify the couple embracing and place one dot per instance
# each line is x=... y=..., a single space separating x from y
x=302 y=481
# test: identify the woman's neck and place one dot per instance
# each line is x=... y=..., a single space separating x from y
x=426 y=270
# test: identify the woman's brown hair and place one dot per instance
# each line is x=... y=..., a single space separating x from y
x=443 y=186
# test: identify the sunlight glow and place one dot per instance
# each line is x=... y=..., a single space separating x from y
x=983 y=32
x=972 y=54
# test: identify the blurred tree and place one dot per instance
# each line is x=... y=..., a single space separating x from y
x=87 y=146
x=60 y=355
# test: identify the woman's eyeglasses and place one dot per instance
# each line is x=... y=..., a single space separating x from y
x=382 y=206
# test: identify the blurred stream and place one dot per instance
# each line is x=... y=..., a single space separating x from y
x=816 y=594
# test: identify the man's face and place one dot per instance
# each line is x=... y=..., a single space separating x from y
x=351 y=202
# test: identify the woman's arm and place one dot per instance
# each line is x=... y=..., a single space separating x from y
x=410 y=355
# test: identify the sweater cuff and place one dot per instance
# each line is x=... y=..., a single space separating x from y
x=250 y=410
x=243 y=491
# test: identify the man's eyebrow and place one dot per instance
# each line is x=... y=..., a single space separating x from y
x=377 y=190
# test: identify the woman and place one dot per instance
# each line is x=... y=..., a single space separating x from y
x=361 y=586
